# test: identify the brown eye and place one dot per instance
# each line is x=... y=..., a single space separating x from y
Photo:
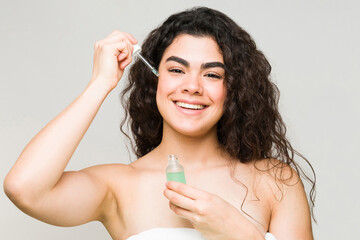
x=176 y=70
x=213 y=75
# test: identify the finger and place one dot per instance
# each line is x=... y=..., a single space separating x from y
x=184 y=213
x=121 y=56
x=121 y=50
x=179 y=200
x=113 y=33
x=129 y=45
x=130 y=37
x=186 y=190
x=118 y=36
x=127 y=35
x=125 y=57
x=121 y=36
x=111 y=48
x=125 y=44
x=124 y=63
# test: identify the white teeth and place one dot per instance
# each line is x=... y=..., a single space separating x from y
x=190 y=106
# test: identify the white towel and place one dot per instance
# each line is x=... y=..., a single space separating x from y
x=176 y=234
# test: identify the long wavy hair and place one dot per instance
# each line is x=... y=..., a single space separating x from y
x=251 y=127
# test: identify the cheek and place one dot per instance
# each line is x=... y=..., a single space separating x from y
x=165 y=87
x=218 y=93
x=164 y=90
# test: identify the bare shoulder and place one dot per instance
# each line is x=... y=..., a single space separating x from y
x=278 y=177
x=117 y=174
x=287 y=200
x=110 y=175
x=107 y=171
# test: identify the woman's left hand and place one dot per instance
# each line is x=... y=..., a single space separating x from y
x=214 y=217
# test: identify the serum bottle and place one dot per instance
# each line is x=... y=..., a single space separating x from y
x=174 y=171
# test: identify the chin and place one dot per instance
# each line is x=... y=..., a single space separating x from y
x=194 y=132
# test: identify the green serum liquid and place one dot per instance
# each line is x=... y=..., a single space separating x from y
x=174 y=170
x=176 y=176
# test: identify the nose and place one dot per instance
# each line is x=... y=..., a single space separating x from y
x=192 y=85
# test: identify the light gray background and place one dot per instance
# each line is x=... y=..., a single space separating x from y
x=46 y=50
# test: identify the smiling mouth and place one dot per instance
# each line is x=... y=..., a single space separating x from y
x=190 y=106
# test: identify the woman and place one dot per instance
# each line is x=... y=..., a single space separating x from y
x=213 y=105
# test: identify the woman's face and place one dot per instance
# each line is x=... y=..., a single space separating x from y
x=191 y=92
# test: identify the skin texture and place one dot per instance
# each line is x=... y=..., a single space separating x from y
x=125 y=197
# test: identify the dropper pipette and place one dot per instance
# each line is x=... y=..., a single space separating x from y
x=136 y=52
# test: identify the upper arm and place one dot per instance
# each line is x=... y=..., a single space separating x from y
x=290 y=218
x=79 y=197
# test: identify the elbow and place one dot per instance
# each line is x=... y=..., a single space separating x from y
x=11 y=187
x=15 y=190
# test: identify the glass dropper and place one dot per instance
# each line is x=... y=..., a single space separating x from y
x=136 y=52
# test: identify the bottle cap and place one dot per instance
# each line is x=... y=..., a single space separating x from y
x=137 y=50
x=172 y=158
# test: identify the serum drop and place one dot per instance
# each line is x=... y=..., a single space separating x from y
x=174 y=171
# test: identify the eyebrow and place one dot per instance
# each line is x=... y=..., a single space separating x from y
x=203 y=66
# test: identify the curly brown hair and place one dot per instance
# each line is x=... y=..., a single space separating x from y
x=251 y=127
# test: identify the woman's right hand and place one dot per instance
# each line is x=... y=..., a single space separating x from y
x=111 y=56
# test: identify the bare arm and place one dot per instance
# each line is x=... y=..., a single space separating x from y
x=37 y=183
x=291 y=215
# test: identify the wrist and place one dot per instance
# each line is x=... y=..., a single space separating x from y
x=97 y=86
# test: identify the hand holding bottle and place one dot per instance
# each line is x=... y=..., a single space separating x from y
x=111 y=56
x=211 y=215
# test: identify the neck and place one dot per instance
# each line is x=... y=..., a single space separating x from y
x=193 y=151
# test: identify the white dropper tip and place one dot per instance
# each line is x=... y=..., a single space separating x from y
x=136 y=50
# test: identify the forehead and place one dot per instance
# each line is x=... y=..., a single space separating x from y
x=194 y=48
